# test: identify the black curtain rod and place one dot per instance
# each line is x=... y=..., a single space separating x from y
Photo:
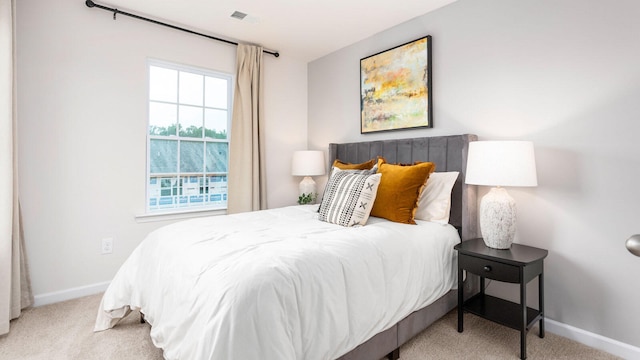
x=91 y=4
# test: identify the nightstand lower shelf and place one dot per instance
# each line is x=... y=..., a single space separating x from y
x=501 y=311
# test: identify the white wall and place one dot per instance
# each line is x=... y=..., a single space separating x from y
x=82 y=125
x=563 y=74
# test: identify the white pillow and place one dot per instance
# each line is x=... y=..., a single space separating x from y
x=348 y=197
x=434 y=203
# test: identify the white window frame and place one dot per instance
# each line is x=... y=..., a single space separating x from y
x=192 y=209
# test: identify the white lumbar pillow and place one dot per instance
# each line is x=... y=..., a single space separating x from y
x=434 y=203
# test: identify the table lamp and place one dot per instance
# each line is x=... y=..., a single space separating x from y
x=308 y=163
x=498 y=164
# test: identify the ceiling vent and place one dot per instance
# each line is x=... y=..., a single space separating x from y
x=238 y=15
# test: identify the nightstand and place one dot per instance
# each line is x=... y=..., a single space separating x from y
x=519 y=264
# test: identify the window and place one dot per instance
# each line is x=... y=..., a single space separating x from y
x=187 y=141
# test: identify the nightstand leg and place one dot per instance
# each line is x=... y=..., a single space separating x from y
x=460 y=298
x=541 y=302
x=523 y=329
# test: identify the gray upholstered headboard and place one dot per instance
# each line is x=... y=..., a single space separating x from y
x=449 y=153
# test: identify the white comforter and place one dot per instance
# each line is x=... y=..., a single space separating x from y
x=278 y=284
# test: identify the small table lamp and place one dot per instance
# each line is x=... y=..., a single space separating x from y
x=308 y=163
x=500 y=163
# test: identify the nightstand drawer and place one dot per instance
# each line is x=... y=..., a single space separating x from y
x=490 y=269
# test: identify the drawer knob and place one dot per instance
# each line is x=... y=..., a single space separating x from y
x=487 y=268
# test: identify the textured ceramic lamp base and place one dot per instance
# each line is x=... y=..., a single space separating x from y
x=498 y=219
x=307 y=186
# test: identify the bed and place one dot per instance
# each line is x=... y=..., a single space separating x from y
x=279 y=284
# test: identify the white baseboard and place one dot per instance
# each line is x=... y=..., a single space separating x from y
x=73 y=293
x=611 y=346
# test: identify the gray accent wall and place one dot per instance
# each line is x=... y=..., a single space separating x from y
x=563 y=74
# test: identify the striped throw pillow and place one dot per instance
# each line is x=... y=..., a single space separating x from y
x=348 y=197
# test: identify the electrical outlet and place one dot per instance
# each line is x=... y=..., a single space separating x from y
x=107 y=246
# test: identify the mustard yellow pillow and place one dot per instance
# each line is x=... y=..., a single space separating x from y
x=367 y=165
x=399 y=190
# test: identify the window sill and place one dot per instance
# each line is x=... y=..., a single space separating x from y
x=178 y=215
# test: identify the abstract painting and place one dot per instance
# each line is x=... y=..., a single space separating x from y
x=395 y=88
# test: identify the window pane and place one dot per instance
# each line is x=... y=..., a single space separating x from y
x=162 y=192
x=191 y=156
x=163 y=156
x=162 y=118
x=163 y=84
x=192 y=191
x=218 y=190
x=215 y=92
x=215 y=124
x=217 y=156
x=190 y=185
x=191 y=121
x=169 y=186
x=153 y=192
x=191 y=88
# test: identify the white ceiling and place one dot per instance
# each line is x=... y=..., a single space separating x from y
x=304 y=29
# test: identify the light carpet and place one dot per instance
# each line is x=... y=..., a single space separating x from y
x=65 y=331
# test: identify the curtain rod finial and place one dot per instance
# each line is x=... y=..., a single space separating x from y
x=90 y=3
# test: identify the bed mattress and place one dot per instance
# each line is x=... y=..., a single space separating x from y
x=278 y=284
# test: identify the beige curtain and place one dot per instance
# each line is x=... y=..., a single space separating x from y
x=15 y=290
x=246 y=179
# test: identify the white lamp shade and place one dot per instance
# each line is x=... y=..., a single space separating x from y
x=501 y=163
x=308 y=163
